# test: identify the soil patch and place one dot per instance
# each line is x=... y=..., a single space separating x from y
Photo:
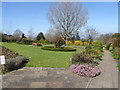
x=8 y=53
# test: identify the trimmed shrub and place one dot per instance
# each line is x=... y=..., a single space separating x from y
x=15 y=63
x=51 y=48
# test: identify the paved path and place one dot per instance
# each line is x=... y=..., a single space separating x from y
x=30 y=77
x=36 y=77
x=109 y=75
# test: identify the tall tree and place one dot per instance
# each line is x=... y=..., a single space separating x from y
x=40 y=36
x=67 y=17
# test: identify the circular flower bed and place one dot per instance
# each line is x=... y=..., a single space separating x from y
x=51 y=48
x=85 y=70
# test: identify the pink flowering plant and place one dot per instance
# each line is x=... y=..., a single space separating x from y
x=85 y=70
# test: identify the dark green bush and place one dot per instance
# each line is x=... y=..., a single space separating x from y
x=15 y=63
x=108 y=46
x=51 y=48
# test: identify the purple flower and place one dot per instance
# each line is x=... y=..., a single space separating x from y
x=85 y=70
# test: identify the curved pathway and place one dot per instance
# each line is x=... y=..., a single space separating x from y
x=37 y=77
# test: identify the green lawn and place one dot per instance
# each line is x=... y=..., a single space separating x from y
x=41 y=58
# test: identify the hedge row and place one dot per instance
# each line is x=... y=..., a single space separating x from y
x=51 y=48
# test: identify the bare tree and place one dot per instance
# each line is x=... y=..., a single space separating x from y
x=67 y=18
x=91 y=34
x=52 y=34
x=17 y=34
x=30 y=34
x=105 y=37
x=54 y=37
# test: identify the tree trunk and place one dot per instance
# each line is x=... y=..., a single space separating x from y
x=89 y=42
x=66 y=40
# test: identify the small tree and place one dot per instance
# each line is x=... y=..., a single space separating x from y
x=23 y=35
x=40 y=36
x=77 y=36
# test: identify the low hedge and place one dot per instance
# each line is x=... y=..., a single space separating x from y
x=15 y=63
x=51 y=48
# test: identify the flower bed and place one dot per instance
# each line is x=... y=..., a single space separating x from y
x=13 y=61
x=85 y=70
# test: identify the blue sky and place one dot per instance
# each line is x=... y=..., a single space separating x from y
x=26 y=15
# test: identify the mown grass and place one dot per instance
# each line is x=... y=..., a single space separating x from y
x=41 y=58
